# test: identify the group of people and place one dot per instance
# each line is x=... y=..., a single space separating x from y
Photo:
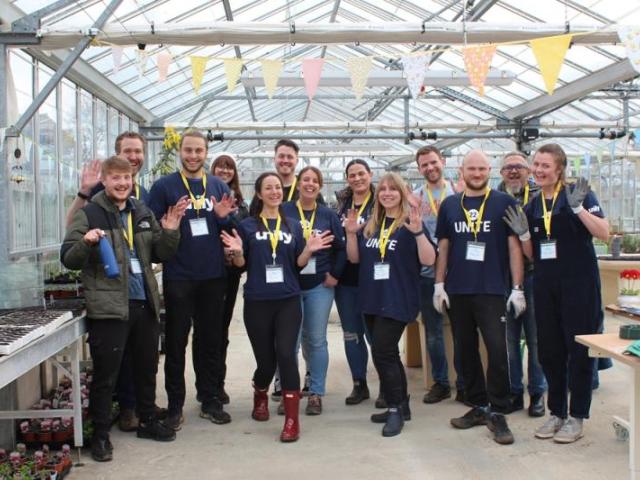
x=386 y=254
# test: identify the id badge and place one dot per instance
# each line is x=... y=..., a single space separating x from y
x=475 y=251
x=275 y=274
x=199 y=227
x=135 y=266
x=310 y=267
x=548 y=250
x=381 y=271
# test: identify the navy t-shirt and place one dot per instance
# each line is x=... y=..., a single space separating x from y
x=398 y=297
x=576 y=256
x=144 y=195
x=490 y=277
x=349 y=275
x=330 y=260
x=257 y=252
x=198 y=257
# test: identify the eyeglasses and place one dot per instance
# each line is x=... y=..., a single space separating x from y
x=515 y=166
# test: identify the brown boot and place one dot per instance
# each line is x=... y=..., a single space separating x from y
x=260 y=405
x=291 y=430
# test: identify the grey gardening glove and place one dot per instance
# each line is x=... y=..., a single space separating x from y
x=517 y=220
x=577 y=195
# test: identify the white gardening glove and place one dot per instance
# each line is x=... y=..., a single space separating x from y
x=517 y=301
x=439 y=297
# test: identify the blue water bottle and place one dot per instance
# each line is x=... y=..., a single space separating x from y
x=111 y=269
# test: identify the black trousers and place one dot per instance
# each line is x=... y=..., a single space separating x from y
x=566 y=307
x=273 y=327
x=385 y=334
x=107 y=341
x=200 y=301
x=486 y=313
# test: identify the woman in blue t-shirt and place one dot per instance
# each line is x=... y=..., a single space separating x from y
x=390 y=251
x=357 y=195
x=317 y=280
x=557 y=234
x=273 y=250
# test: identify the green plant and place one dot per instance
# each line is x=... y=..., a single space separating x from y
x=630 y=243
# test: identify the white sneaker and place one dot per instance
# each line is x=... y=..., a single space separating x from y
x=570 y=431
x=550 y=427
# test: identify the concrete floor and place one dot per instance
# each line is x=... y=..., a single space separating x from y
x=343 y=444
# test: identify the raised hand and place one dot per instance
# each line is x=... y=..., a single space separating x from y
x=93 y=236
x=233 y=242
x=320 y=242
x=517 y=220
x=415 y=220
x=90 y=176
x=171 y=219
x=351 y=224
x=225 y=206
x=576 y=196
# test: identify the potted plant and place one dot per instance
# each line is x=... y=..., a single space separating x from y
x=27 y=433
x=629 y=288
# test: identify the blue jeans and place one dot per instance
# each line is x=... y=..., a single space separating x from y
x=537 y=383
x=353 y=329
x=432 y=321
x=316 y=307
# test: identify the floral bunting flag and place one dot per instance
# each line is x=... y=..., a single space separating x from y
x=198 y=66
x=630 y=38
x=477 y=61
x=162 y=61
x=359 y=68
x=232 y=70
x=141 y=61
x=271 y=72
x=414 y=71
x=550 y=53
x=116 y=53
x=311 y=72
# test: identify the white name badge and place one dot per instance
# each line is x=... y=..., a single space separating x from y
x=310 y=267
x=199 y=227
x=275 y=274
x=135 y=266
x=381 y=271
x=475 y=251
x=548 y=250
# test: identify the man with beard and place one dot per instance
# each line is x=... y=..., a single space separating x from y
x=516 y=182
x=194 y=280
x=430 y=196
x=476 y=253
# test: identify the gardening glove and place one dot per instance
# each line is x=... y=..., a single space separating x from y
x=440 y=297
x=517 y=221
x=577 y=195
x=517 y=301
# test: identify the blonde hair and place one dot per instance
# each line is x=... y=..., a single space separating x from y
x=377 y=216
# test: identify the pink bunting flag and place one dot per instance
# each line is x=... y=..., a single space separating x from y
x=311 y=72
x=477 y=61
x=162 y=61
x=116 y=52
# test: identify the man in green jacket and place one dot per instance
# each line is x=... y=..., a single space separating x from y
x=123 y=310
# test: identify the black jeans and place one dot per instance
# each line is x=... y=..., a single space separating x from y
x=385 y=334
x=273 y=327
x=125 y=386
x=470 y=313
x=107 y=341
x=200 y=301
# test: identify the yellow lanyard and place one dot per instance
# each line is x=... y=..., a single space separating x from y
x=274 y=237
x=363 y=206
x=475 y=228
x=307 y=225
x=197 y=204
x=384 y=236
x=432 y=202
x=128 y=234
x=137 y=190
x=546 y=216
x=293 y=189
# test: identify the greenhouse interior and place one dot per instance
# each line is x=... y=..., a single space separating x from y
x=219 y=216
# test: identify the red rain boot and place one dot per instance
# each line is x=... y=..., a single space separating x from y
x=260 y=405
x=291 y=430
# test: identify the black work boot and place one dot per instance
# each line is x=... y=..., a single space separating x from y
x=536 y=405
x=213 y=411
x=359 y=393
x=154 y=429
x=394 y=423
x=101 y=448
x=404 y=408
x=474 y=417
x=498 y=425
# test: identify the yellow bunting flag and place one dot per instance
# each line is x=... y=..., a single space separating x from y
x=477 y=61
x=359 y=68
x=232 y=69
x=271 y=72
x=198 y=66
x=550 y=53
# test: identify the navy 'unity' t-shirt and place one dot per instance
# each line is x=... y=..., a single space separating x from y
x=199 y=257
x=256 y=244
x=330 y=260
x=490 y=277
x=397 y=297
x=575 y=253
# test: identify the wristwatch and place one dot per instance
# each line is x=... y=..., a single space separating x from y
x=83 y=196
x=517 y=287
